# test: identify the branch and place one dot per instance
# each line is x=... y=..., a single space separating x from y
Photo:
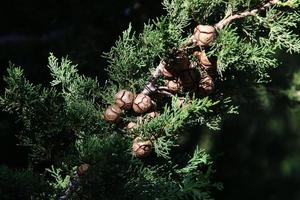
x=151 y=87
x=71 y=187
x=228 y=20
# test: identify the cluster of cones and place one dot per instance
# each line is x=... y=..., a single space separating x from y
x=181 y=74
x=192 y=75
x=141 y=103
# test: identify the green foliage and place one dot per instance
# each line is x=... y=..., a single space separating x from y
x=22 y=184
x=63 y=125
x=173 y=121
x=196 y=184
x=40 y=112
x=294 y=90
x=204 y=11
x=282 y=30
x=256 y=59
x=189 y=181
x=60 y=182
x=135 y=55
x=109 y=169
x=53 y=118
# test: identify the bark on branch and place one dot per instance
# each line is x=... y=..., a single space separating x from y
x=227 y=20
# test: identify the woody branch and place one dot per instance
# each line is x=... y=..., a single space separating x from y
x=228 y=19
x=151 y=86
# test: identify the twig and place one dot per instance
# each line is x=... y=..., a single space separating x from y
x=228 y=19
x=71 y=187
x=151 y=87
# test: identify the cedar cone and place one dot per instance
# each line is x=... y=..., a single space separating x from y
x=206 y=85
x=189 y=79
x=168 y=72
x=124 y=99
x=206 y=64
x=132 y=125
x=180 y=62
x=142 y=103
x=152 y=114
x=141 y=148
x=173 y=86
x=82 y=169
x=204 y=35
x=112 y=114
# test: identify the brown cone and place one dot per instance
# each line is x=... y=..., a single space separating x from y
x=206 y=64
x=142 y=103
x=167 y=74
x=179 y=63
x=167 y=71
x=112 y=114
x=141 y=148
x=206 y=85
x=124 y=99
x=173 y=86
x=189 y=79
x=152 y=114
x=180 y=101
x=82 y=169
x=204 y=35
x=132 y=125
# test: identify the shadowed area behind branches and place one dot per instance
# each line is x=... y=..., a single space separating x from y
x=259 y=148
x=83 y=30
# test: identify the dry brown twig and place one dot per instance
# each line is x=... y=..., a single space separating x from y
x=228 y=19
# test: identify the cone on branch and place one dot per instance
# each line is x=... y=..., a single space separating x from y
x=141 y=148
x=82 y=169
x=131 y=125
x=168 y=72
x=152 y=114
x=180 y=102
x=204 y=35
x=180 y=62
x=189 y=79
x=124 y=99
x=207 y=64
x=112 y=114
x=173 y=86
x=142 y=103
x=206 y=85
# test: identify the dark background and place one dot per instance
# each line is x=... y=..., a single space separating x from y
x=257 y=153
